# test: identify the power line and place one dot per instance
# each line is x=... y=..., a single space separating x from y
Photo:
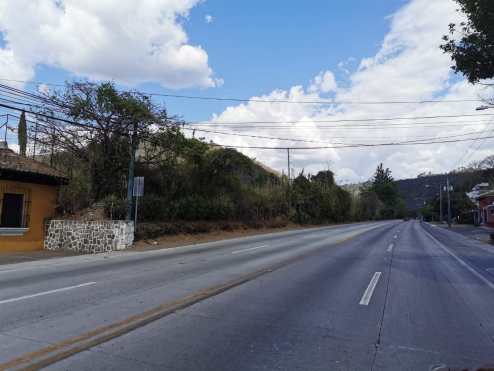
x=351 y=145
x=469 y=152
x=256 y=100
x=317 y=141
x=440 y=124
x=343 y=120
x=340 y=145
x=263 y=137
x=38 y=98
x=319 y=102
x=46 y=116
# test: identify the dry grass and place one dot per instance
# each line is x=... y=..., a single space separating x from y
x=171 y=241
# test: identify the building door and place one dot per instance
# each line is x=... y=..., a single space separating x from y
x=12 y=210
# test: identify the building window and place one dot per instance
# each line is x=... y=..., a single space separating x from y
x=12 y=211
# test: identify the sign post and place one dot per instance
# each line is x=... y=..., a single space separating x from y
x=138 y=191
x=448 y=188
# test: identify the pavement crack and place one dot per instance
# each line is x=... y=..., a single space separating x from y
x=381 y=321
x=39 y=341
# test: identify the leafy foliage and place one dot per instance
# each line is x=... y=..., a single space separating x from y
x=461 y=207
x=317 y=199
x=380 y=199
x=103 y=120
x=473 y=51
x=186 y=178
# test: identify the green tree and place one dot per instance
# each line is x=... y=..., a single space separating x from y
x=384 y=186
x=369 y=205
x=22 y=134
x=105 y=119
x=325 y=178
x=471 y=43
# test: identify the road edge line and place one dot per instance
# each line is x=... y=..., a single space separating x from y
x=459 y=260
x=49 y=292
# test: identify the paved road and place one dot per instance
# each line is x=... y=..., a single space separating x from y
x=371 y=296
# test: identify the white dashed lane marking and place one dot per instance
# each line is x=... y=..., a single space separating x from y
x=370 y=289
x=250 y=249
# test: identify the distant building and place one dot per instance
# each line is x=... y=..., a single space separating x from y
x=28 y=198
x=477 y=190
x=482 y=195
x=486 y=208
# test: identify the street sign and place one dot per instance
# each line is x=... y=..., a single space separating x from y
x=138 y=191
x=138 y=186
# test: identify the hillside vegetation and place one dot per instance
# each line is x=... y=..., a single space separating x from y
x=186 y=179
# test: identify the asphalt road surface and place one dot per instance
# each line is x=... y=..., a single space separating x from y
x=371 y=296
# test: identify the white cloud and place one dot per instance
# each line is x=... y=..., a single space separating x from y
x=408 y=66
x=124 y=40
x=13 y=68
x=208 y=18
x=44 y=89
x=344 y=66
x=324 y=82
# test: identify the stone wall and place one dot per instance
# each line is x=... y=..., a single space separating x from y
x=89 y=237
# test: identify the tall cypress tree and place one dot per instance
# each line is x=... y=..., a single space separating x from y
x=22 y=134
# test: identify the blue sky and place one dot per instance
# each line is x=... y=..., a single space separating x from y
x=258 y=46
x=283 y=45
x=351 y=50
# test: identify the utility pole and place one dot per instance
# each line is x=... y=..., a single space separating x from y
x=35 y=139
x=449 y=201
x=441 y=203
x=52 y=150
x=130 y=181
x=289 y=171
x=289 y=179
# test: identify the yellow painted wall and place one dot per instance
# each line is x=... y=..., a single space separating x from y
x=43 y=203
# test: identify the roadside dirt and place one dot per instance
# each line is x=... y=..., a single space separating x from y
x=164 y=242
x=171 y=241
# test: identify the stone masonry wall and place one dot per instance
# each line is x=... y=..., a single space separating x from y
x=89 y=237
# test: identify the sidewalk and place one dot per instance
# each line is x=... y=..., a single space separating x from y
x=481 y=233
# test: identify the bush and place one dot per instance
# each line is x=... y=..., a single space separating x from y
x=196 y=207
x=154 y=230
x=152 y=208
x=115 y=208
x=277 y=223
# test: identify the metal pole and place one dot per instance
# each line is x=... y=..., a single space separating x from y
x=52 y=144
x=135 y=216
x=289 y=171
x=289 y=179
x=441 y=203
x=130 y=182
x=35 y=139
x=449 y=202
